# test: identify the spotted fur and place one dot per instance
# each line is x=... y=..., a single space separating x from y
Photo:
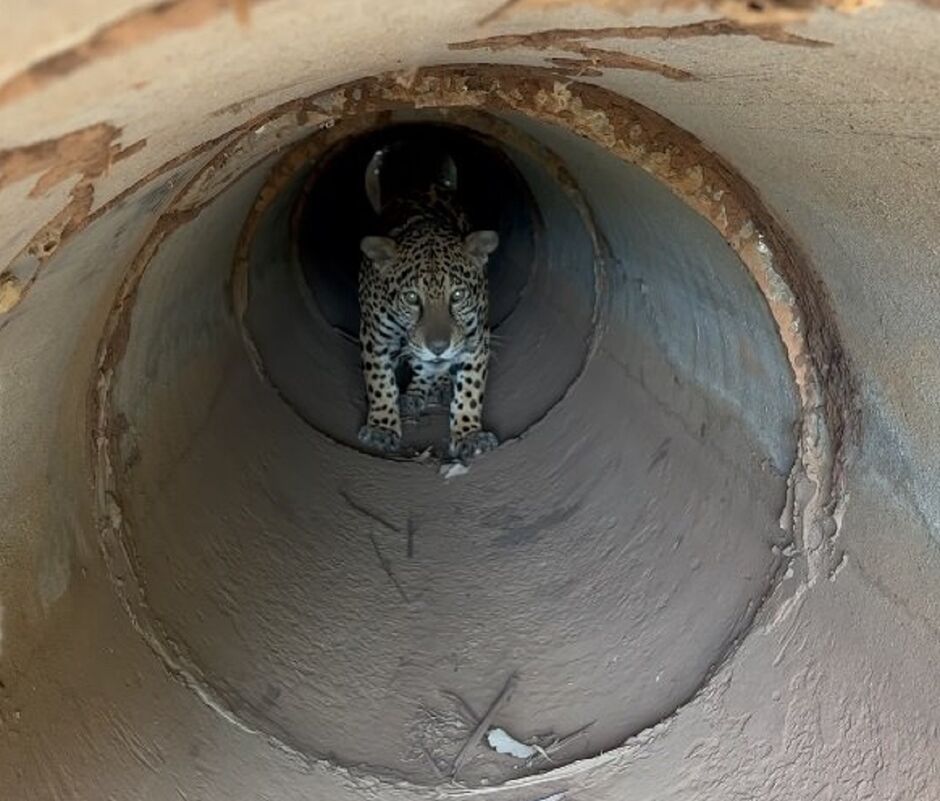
x=424 y=300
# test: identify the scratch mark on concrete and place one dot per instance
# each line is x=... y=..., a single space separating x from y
x=368 y=512
x=615 y=59
x=387 y=567
x=659 y=454
x=383 y=560
x=896 y=600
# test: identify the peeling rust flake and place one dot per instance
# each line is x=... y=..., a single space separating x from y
x=10 y=292
x=574 y=40
x=560 y=38
x=751 y=11
x=135 y=29
x=85 y=154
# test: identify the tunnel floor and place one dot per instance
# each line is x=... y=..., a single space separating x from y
x=371 y=611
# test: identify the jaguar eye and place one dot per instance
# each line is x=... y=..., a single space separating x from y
x=458 y=295
x=410 y=297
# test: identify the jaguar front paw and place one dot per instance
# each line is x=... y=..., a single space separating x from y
x=473 y=444
x=383 y=440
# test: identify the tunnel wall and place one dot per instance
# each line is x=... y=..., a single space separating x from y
x=837 y=140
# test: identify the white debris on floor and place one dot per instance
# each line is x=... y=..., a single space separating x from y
x=453 y=470
x=504 y=743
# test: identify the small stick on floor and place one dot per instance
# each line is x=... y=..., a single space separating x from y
x=561 y=743
x=476 y=735
x=553 y=748
x=433 y=764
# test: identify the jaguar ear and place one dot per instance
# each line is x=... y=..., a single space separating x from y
x=480 y=244
x=380 y=249
x=373 y=180
x=448 y=173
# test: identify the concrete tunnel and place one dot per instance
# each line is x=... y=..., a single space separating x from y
x=702 y=563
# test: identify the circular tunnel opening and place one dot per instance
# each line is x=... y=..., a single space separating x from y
x=302 y=257
x=572 y=589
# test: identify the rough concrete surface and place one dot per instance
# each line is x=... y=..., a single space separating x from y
x=707 y=549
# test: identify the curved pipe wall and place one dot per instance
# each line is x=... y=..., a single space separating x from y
x=688 y=571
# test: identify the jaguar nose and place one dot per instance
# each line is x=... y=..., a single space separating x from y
x=438 y=345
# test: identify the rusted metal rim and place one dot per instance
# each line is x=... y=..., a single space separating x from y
x=628 y=131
